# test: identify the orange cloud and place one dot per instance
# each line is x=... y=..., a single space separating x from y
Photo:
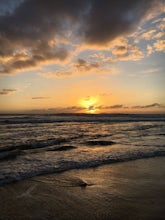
x=161 y=25
x=150 y=49
x=160 y=45
x=148 y=35
x=22 y=62
x=79 y=67
x=127 y=52
x=159 y=35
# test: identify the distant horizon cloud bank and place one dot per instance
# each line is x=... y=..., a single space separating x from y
x=100 y=109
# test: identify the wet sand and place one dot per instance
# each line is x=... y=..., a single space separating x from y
x=132 y=190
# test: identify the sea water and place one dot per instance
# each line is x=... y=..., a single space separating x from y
x=32 y=145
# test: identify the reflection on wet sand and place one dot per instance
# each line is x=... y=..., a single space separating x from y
x=130 y=190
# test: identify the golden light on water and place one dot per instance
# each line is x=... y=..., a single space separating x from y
x=90 y=104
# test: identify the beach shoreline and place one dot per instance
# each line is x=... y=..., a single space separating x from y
x=126 y=190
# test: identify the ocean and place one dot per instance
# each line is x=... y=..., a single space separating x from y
x=32 y=145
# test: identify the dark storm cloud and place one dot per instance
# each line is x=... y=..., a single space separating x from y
x=108 y=18
x=31 y=27
x=39 y=19
x=32 y=24
x=8 y=6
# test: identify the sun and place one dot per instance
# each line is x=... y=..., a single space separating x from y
x=90 y=104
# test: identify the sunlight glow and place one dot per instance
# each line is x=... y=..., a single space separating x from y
x=90 y=104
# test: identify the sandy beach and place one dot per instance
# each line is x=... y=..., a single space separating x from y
x=129 y=190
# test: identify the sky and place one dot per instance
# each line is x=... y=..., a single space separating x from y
x=82 y=56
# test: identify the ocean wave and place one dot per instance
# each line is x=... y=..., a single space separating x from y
x=61 y=148
x=34 y=144
x=8 y=155
x=27 y=167
x=30 y=149
x=99 y=142
x=34 y=119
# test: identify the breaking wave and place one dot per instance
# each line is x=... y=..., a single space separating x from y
x=37 y=145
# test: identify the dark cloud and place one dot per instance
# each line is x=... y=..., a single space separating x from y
x=108 y=19
x=8 y=91
x=29 y=30
x=83 y=65
x=127 y=52
x=24 y=62
x=8 y=6
x=28 y=26
x=113 y=107
x=154 y=105
x=40 y=19
x=89 y=108
x=75 y=108
x=68 y=109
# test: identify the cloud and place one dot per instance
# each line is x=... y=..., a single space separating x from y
x=89 y=108
x=84 y=66
x=161 y=25
x=109 y=19
x=98 y=109
x=120 y=50
x=121 y=106
x=57 y=74
x=69 y=109
x=82 y=109
x=31 y=29
x=113 y=107
x=8 y=91
x=79 y=67
x=31 y=26
x=159 y=35
x=157 y=9
x=151 y=71
x=127 y=52
x=160 y=45
x=97 y=56
x=150 y=50
x=40 y=97
x=23 y=62
x=154 y=105
x=148 y=35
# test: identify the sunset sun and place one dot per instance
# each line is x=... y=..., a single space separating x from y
x=89 y=104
